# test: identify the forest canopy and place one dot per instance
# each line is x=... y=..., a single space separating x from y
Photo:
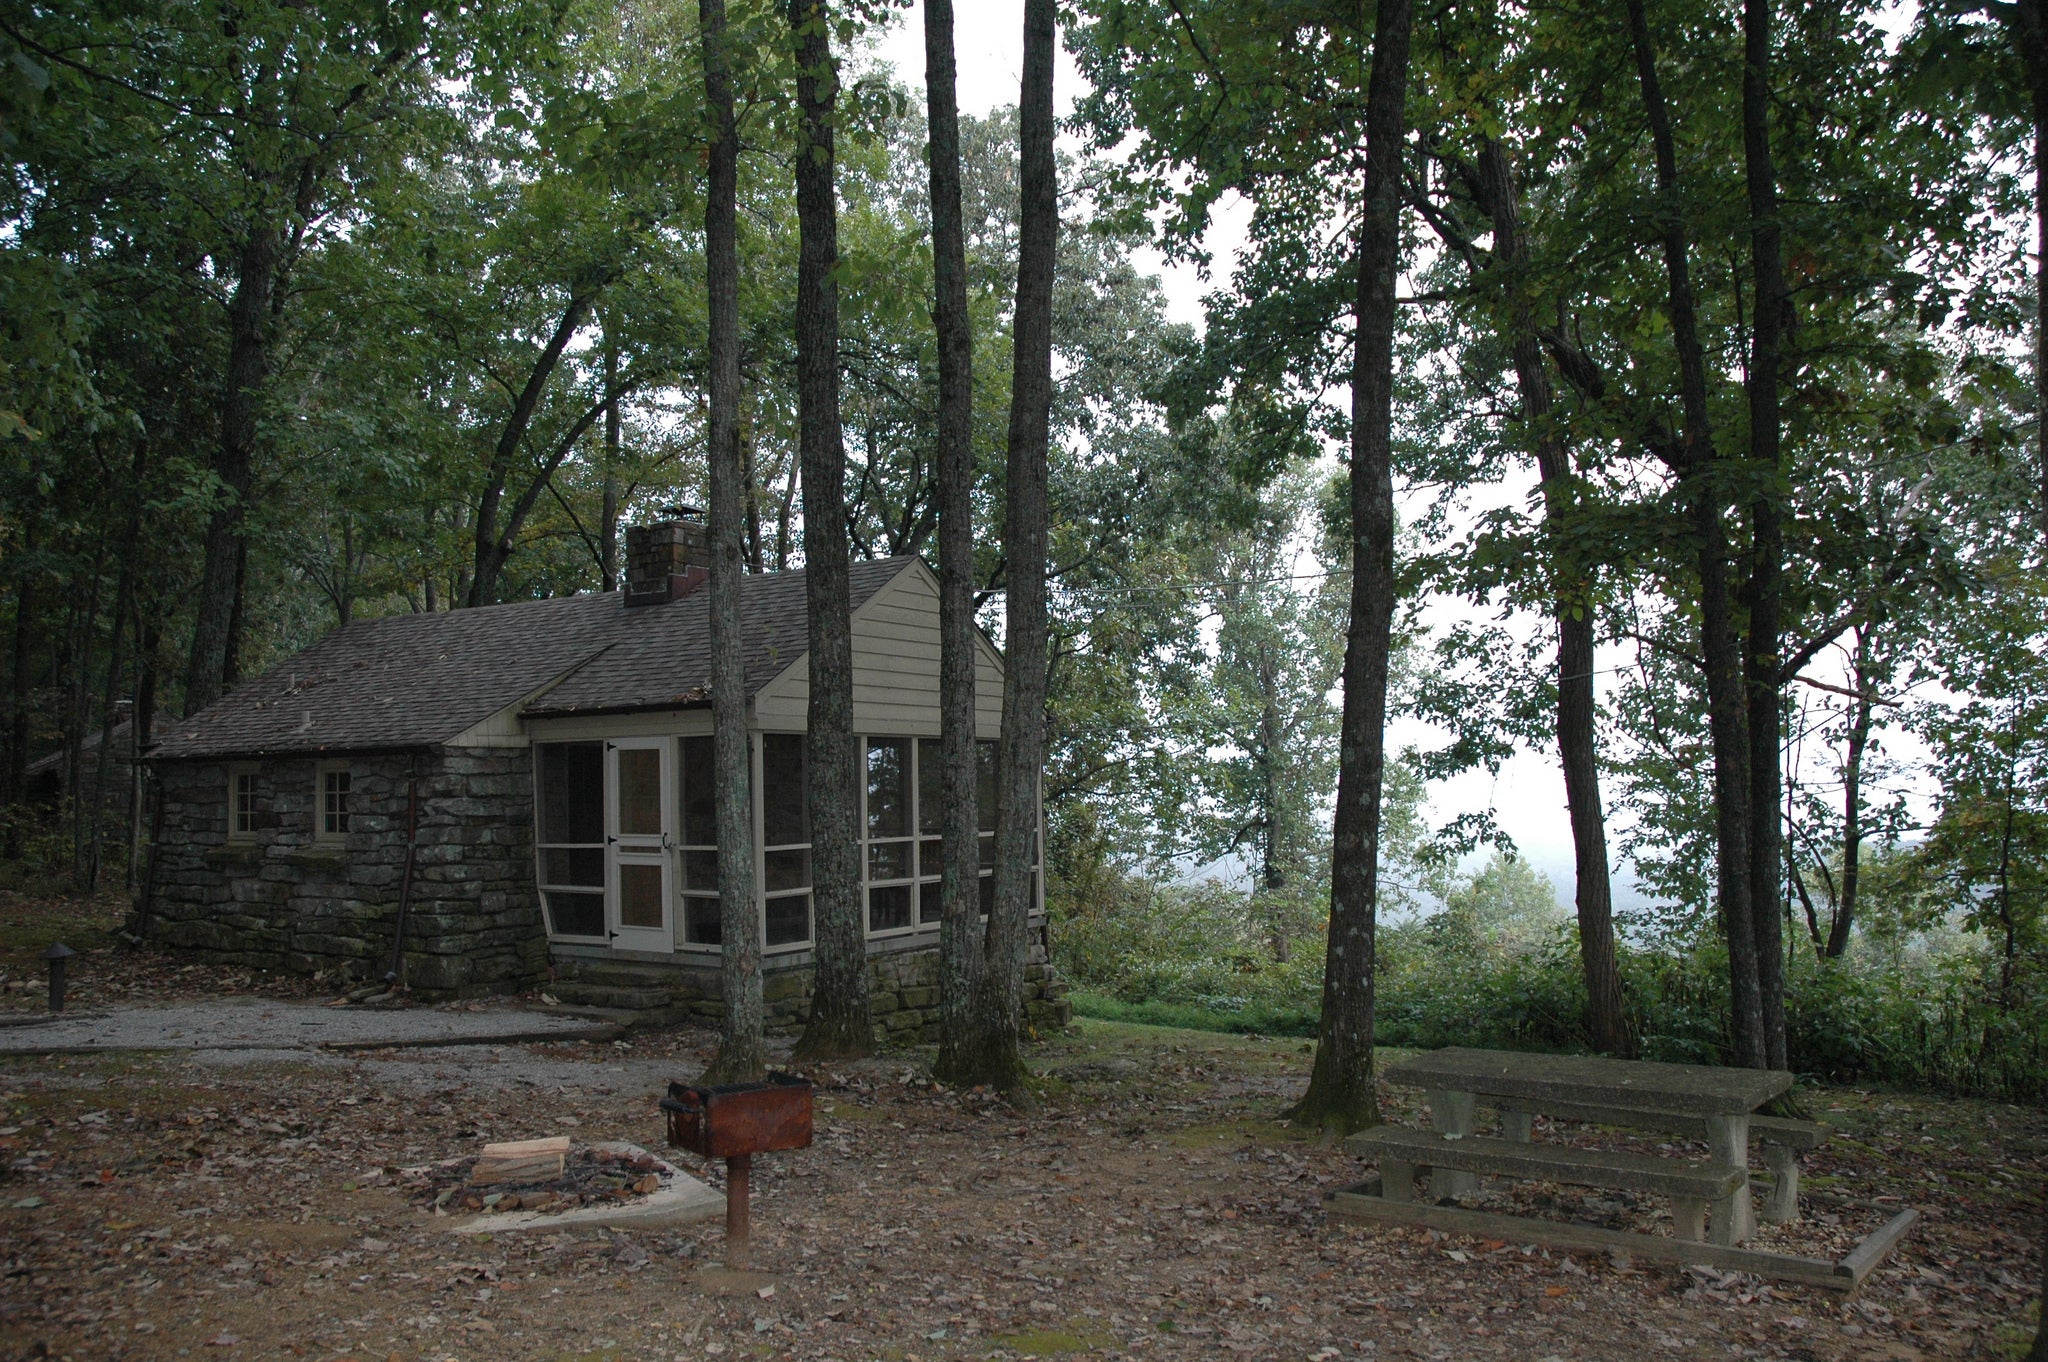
x=1713 y=419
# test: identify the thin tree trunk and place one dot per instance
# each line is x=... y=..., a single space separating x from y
x=998 y=1029
x=1763 y=662
x=21 y=673
x=750 y=468
x=2028 y=20
x=839 y=1026
x=1844 y=917
x=608 y=530
x=117 y=661
x=960 y=938
x=218 y=601
x=1340 y=1096
x=1576 y=706
x=1722 y=655
x=742 y=1056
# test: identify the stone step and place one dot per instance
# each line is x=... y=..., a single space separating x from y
x=583 y=993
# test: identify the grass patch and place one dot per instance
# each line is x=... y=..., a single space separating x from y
x=1262 y=1019
x=1079 y=1336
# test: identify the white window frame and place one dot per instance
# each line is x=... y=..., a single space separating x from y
x=323 y=772
x=238 y=772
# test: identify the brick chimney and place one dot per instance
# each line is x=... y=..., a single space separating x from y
x=667 y=560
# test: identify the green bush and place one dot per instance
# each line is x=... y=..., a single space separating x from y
x=1175 y=955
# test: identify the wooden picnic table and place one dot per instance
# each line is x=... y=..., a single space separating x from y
x=1616 y=1091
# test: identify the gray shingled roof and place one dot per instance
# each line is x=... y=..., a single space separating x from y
x=408 y=681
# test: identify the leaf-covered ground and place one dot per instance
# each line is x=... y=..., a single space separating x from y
x=163 y=1206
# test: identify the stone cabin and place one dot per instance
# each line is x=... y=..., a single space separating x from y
x=531 y=785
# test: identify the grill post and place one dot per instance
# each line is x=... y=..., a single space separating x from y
x=738 y=1229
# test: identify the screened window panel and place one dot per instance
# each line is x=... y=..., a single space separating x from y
x=639 y=895
x=787 y=870
x=700 y=870
x=785 y=810
x=575 y=914
x=571 y=791
x=702 y=924
x=888 y=787
x=700 y=793
x=889 y=908
x=928 y=908
x=789 y=920
x=889 y=861
x=985 y=784
x=573 y=866
x=931 y=788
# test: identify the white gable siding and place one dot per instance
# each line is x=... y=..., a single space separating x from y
x=895 y=668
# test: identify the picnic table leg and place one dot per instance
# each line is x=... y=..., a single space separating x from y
x=1782 y=1206
x=1454 y=1112
x=1734 y=1216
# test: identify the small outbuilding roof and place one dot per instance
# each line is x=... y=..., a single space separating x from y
x=413 y=681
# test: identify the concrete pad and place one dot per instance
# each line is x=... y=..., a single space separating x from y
x=680 y=1200
x=273 y=1024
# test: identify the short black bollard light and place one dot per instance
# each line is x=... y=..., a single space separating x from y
x=57 y=955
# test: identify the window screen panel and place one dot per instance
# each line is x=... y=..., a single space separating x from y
x=575 y=914
x=785 y=808
x=571 y=791
x=700 y=793
x=789 y=920
x=888 y=788
x=640 y=791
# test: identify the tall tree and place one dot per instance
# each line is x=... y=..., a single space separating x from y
x=990 y=1053
x=1576 y=706
x=839 y=1025
x=960 y=937
x=741 y=1057
x=1340 y=1096
x=1763 y=662
x=1701 y=482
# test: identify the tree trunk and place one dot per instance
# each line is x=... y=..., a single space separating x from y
x=1852 y=816
x=218 y=601
x=997 y=1028
x=21 y=673
x=839 y=1026
x=117 y=661
x=491 y=546
x=960 y=937
x=2028 y=20
x=1721 y=654
x=1576 y=706
x=742 y=1056
x=608 y=531
x=1340 y=1096
x=750 y=467
x=1767 y=539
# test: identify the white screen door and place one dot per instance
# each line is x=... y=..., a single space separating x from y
x=638 y=841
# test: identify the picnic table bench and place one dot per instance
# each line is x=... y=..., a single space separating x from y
x=1712 y=1210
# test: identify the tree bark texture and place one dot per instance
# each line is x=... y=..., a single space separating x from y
x=614 y=420
x=960 y=936
x=998 y=1027
x=839 y=1025
x=2028 y=20
x=1763 y=663
x=1844 y=917
x=21 y=674
x=1576 y=706
x=742 y=1056
x=1340 y=1096
x=215 y=606
x=1700 y=487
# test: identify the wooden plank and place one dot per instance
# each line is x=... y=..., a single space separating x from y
x=521 y=1161
x=1350 y=1204
x=1652 y=1173
x=1874 y=1247
x=1689 y=1089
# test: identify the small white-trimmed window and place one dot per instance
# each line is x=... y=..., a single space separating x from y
x=242 y=803
x=330 y=815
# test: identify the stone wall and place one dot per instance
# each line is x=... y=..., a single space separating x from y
x=903 y=984
x=284 y=900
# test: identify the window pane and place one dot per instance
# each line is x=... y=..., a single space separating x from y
x=928 y=910
x=577 y=865
x=988 y=851
x=929 y=854
x=640 y=791
x=889 y=908
x=700 y=870
x=576 y=914
x=334 y=803
x=702 y=925
x=789 y=920
x=787 y=870
x=889 y=861
x=700 y=794
x=988 y=894
x=571 y=791
x=985 y=784
x=931 y=788
x=888 y=788
x=640 y=896
x=785 y=814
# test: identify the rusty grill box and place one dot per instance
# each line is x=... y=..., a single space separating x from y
x=741 y=1118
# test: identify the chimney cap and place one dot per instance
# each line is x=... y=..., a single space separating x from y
x=680 y=511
